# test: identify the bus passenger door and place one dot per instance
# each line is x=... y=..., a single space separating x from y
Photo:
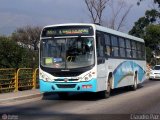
x=101 y=62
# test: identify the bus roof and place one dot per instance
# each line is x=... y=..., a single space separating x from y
x=102 y=29
x=114 y=32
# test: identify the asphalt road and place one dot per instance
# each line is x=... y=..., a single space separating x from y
x=123 y=104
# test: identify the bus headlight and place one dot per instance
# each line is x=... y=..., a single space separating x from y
x=44 y=77
x=152 y=73
x=87 y=77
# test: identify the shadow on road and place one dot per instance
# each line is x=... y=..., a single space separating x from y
x=154 y=79
x=87 y=96
x=72 y=96
x=123 y=90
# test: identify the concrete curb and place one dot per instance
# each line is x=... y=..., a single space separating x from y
x=31 y=96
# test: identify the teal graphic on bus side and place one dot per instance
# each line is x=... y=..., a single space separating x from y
x=127 y=68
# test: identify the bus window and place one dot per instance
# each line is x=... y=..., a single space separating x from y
x=133 y=45
x=139 y=54
x=128 y=44
x=107 y=39
x=139 y=51
x=143 y=52
x=115 y=49
x=107 y=45
x=134 y=53
x=128 y=48
x=138 y=46
x=100 y=48
x=122 y=47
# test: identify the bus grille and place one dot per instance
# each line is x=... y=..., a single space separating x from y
x=62 y=80
x=66 y=74
x=66 y=86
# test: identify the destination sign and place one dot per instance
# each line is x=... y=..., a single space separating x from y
x=67 y=31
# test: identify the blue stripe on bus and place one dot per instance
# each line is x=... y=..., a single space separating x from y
x=52 y=86
x=127 y=68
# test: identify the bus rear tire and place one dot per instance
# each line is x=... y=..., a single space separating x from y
x=135 y=86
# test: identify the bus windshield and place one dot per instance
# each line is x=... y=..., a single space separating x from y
x=67 y=53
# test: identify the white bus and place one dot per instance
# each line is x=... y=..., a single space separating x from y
x=89 y=58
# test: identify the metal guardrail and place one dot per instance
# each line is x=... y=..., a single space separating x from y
x=36 y=78
x=7 y=80
x=17 y=80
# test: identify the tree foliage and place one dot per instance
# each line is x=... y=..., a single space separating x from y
x=151 y=17
x=152 y=36
x=14 y=56
x=152 y=41
x=155 y=1
x=28 y=35
x=148 y=28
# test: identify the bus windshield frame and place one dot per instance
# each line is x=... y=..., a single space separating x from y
x=67 y=52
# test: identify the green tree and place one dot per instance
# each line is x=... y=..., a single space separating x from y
x=152 y=36
x=149 y=55
x=148 y=28
x=155 y=1
x=28 y=35
x=151 y=17
x=152 y=41
x=14 y=56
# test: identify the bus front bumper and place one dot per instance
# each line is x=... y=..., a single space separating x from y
x=88 y=86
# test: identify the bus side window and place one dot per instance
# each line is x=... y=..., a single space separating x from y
x=100 y=47
x=115 y=48
x=134 y=48
x=139 y=55
x=128 y=48
x=143 y=52
x=122 y=47
x=107 y=45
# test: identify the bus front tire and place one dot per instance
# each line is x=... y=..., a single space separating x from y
x=106 y=93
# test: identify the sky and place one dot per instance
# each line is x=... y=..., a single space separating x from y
x=20 y=13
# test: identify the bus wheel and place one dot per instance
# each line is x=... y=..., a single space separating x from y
x=106 y=93
x=63 y=95
x=135 y=83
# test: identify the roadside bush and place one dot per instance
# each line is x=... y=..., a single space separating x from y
x=14 y=56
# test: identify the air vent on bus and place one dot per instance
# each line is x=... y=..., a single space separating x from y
x=66 y=85
x=62 y=80
x=66 y=74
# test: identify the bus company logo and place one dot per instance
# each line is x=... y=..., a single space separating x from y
x=4 y=117
x=9 y=117
x=65 y=80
